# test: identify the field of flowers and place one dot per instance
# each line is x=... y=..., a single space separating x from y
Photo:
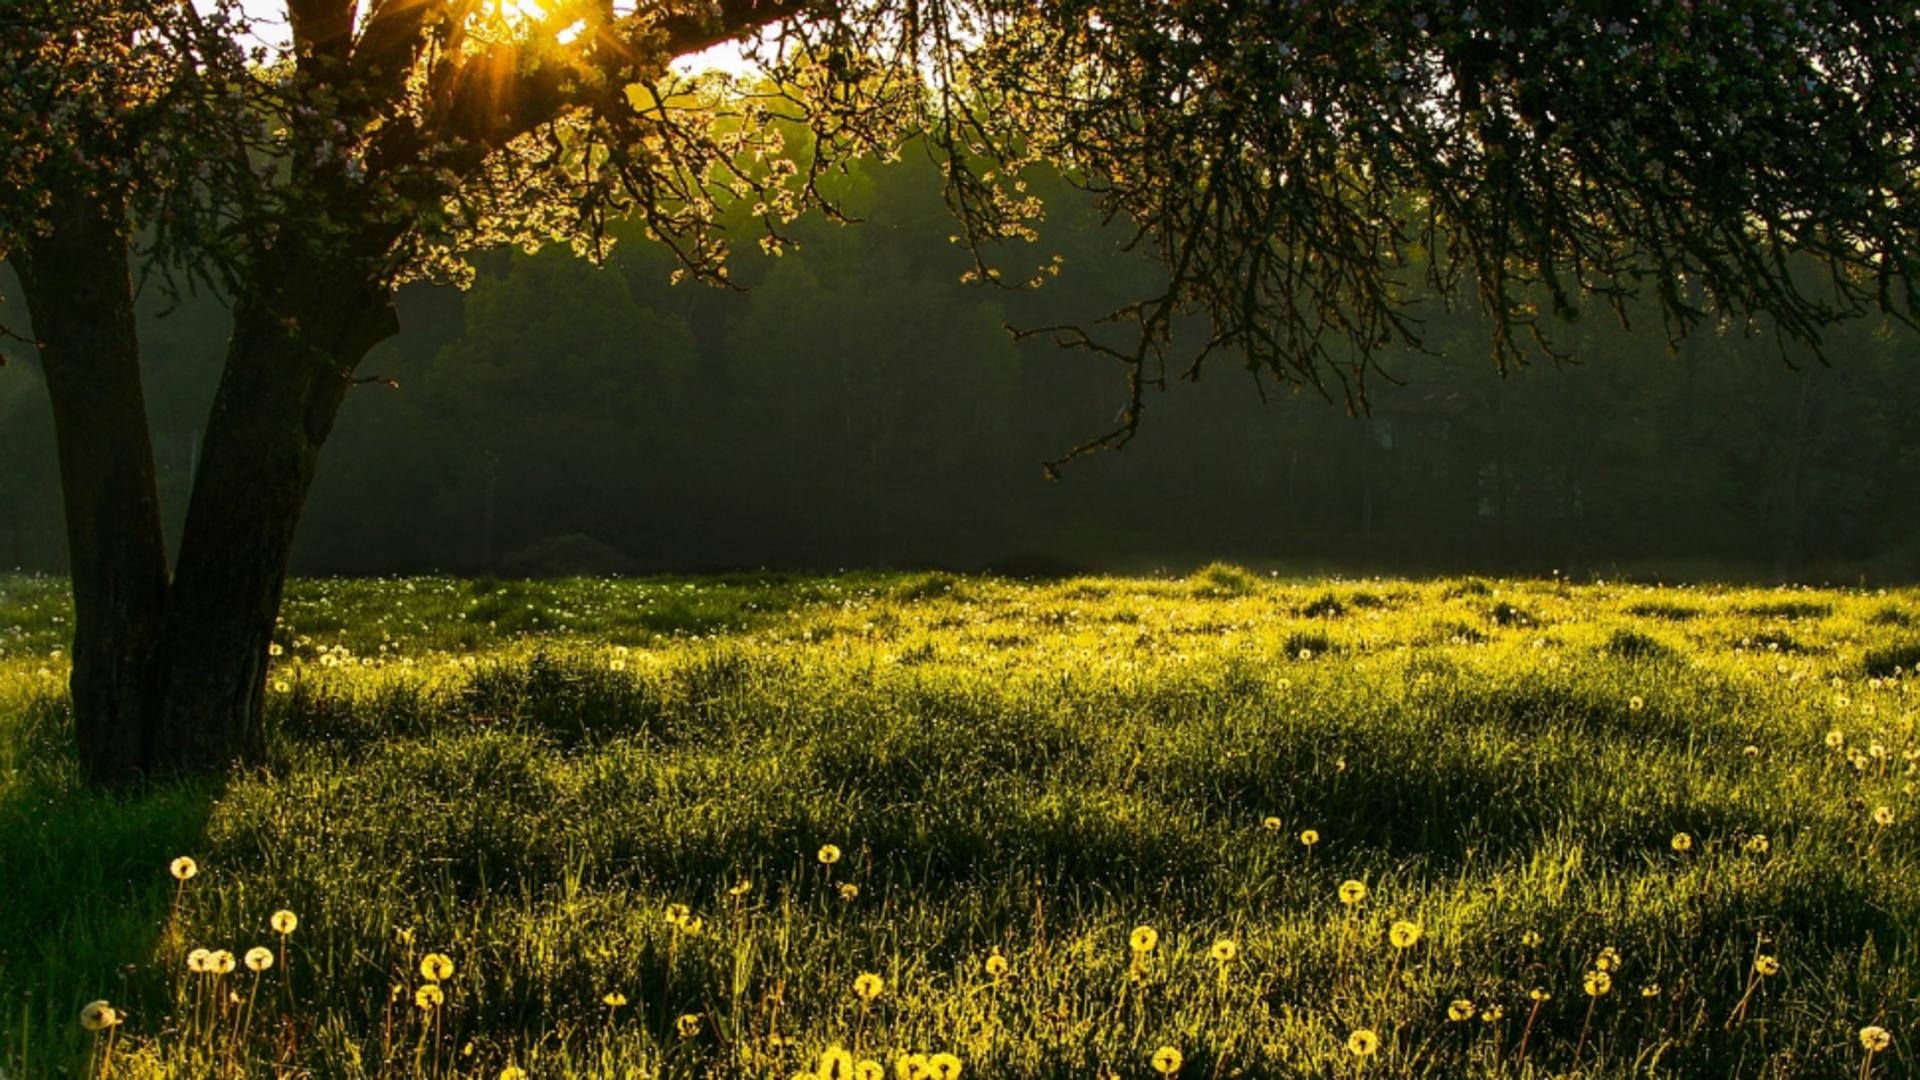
x=930 y=826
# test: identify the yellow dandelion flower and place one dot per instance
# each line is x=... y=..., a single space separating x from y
x=1540 y=993
x=1167 y=1061
x=688 y=1025
x=836 y=1063
x=1766 y=965
x=1836 y=739
x=1883 y=816
x=429 y=996
x=1363 y=1042
x=1224 y=950
x=613 y=999
x=1598 y=983
x=1874 y=1038
x=197 y=960
x=1271 y=824
x=1143 y=939
x=1460 y=1009
x=284 y=922
x=741 y=889
x=1751 y=750
x=1404 y=934
x=1352 y=892
x=436 y=967
x=829 y=854
x=868 y=1070
x=259 y=958
x=910 y=1067
x=1309 y=837
x=98 y=1016
x=512 y=1072
x=1651 y=990
x=943 y=1067
x=1636 y=703
x=1493 y=1013
x=849 y=891
x=1682 y=842
x=1531 y=939
x=868 y=986
x=693 y=925
x=676 y=914
x=1758 y=845
x=996 y=964
x=183 y=868
x=282 y=686
x=1608 y=960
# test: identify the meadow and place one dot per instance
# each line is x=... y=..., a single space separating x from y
x=924 y=826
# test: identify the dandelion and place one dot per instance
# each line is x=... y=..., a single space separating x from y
x=1598 y=983
x=1766 y=966
x=258 y=959
x=676 y=914
x=1167 y=1061
x=197 y=960
x=220 y=962
x=829 y=854
x=996 y=965
x=1758 y=845
x=1309 y=837
x=1531 y=939
x=1352 y=892
x=1404 y=934
x=1636 y=703
x=1883 y=816
x=868 y=986
x=910 y=1067
x=1751 y=750
x=1363 y=1042
x=943 y=1067
x=868 y=1070
x=1540 y=993
x=613 y=999
x=1143 y=939
x=1650 y=990
x=98 y=1016
x=835 y=1064
x=1836 y=739
x=1608 y=960
x=436 y=967
x=1224 y=951
x=183 y=868
x=1271 y=824
x=688 y=1025
x=1494 y=1014
x=1874 y=1038
x=849 y=891
x=512 y=1072
x=1460 y=1009
x=284 y=922
x=693 y=926
x=1682 y=842
x=282 y=686
x=743 y=888
x=429 y=997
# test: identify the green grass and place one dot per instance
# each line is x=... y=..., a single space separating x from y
x=524 y=776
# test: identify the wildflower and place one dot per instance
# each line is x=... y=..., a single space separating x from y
x=1874 y=1038
x=868 y=1070
x=1143 y=939
x=281 y=686
x=1404 y=934
x=688 y=1025
x=868 y=986
x=258 y=959
x=742 y=889
x=1363 y=1042
x=1352 y=892
x=1494 y=1013
x=1608 y=959
x=613 y=999
x=1167 y=1061
x=943 y=1067
x=1651 y=990
x=436 y=967
x=1598 y=983
x=1758 y=845
x=910 y=1067
x=197 y=960
x=1766 y=965
x=512 y=1072
x=1636 y=703
x=1883 y=816
x=284 y=922
x=1682 y=842
x=1540 y=993
x=1531 y=939
x=98 y=1016
x=429 y=997
x=1460 y=1009
x=220 y=962
x=996 y=964
x=829 y=854
x=183 y=868
x=693 y=926
x=1309 y=837
x=1224 y=950
x=848 y=890
x=676 y=914
x=835 y=1064
x=1835 y=739
x=1751 y=750
x=275 y=649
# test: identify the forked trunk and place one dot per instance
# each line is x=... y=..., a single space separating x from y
x=79 y=294
x=289 y=365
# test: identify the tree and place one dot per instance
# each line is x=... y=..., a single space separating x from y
x=1288 y=165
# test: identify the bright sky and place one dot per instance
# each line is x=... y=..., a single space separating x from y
x=270 y=19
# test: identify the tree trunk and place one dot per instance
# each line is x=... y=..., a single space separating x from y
x=79 y=294
x=289 y=365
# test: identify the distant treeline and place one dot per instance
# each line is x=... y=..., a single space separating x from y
x=857 y=406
